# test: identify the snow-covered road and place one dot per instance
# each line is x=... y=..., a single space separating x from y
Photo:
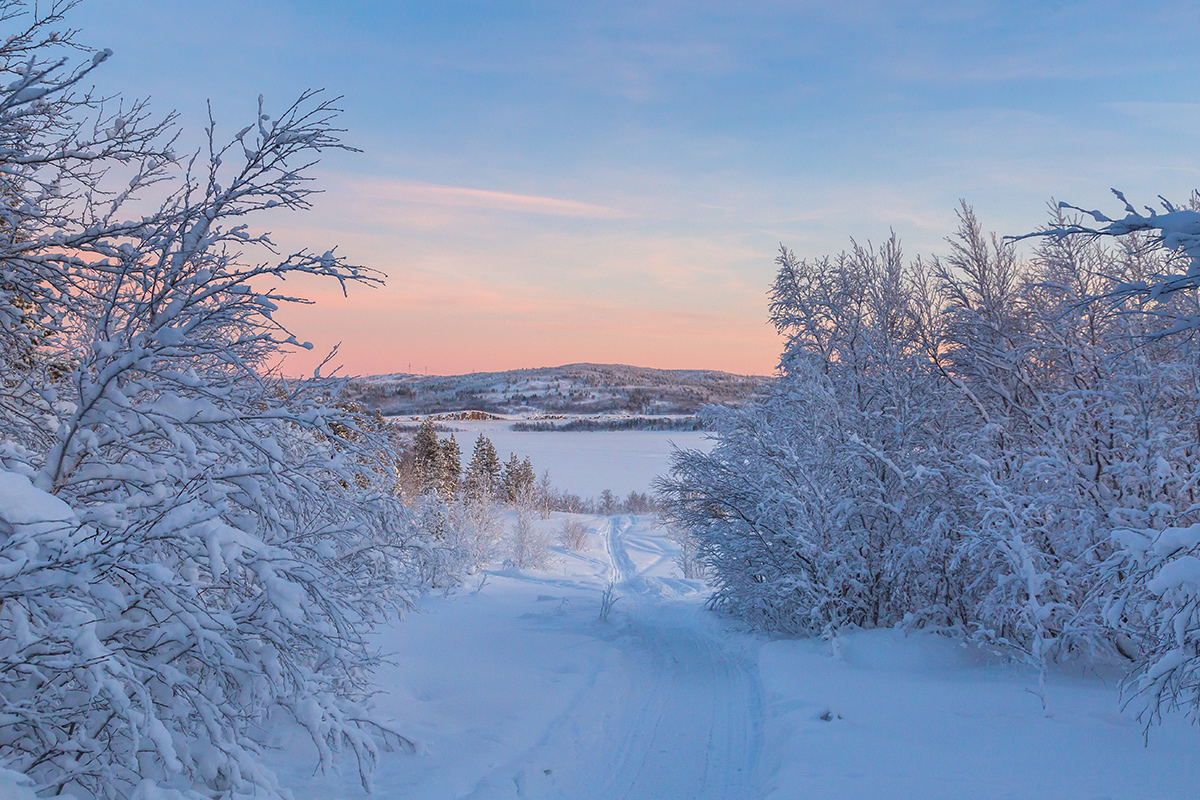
x=520 y=690
x=679 y=717
x=691 y=724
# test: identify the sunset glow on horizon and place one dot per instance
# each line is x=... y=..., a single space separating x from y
x=547 y=184
x=578 y=287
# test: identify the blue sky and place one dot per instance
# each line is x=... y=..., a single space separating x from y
x=556 y=182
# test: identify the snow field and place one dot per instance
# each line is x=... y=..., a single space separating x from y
x=519 y=690
x=895 y=716
x=513 y=688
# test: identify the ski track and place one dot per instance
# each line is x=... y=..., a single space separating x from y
x=681 y=721
x=695 y=734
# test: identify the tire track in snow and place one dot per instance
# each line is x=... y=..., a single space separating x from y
x=623 y=568
x=677 y=715
x=694 y=729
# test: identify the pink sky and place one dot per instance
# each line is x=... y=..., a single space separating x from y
x=559 y=182
x=485 y=280
x=484 y=334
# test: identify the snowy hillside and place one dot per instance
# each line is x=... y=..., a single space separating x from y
x=570 y=389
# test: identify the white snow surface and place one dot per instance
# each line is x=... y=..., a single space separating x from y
x=15 y=786
x=514 y=688
x=27 y=509
x=586 y=463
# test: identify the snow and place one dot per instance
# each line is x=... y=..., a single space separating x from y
x=587 y=463
x=920 y=717
x=15 y=786
x=569 y=389
x=27 y=509
x=512 y=687
x=1181 y=573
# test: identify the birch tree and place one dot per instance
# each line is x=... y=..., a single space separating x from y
x=190 y=545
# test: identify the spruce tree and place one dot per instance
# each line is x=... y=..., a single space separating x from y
x=510 y=478
x=451 y=467
x=483 y=474
x=427 y=458
x=518 y=477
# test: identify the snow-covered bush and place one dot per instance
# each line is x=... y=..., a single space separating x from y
x=475 y=531
x=822 y=503
x=1083 y=423
x=955 y=443
x=689 y=562
x=1158 y=591
x=529 y=544
x=1152 y=593
x=573 y=534
x=189 y=544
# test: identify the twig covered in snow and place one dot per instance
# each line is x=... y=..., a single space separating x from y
x=188 y=542
x=973 y=444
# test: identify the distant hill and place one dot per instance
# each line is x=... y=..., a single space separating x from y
x=572 y=389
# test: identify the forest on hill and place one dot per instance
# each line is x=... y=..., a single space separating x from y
x=570 y=389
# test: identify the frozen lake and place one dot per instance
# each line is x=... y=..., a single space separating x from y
x=585 y=463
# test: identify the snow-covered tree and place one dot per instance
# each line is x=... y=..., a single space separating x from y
x=529 y=545
x=190 y=544
x=475 y=532
x=482 y=480
x=826 y=503
x=517 y=479
x=1153 y=593
x=451 y=467
x=428 y=458
x=974 y=443
x=545 y=495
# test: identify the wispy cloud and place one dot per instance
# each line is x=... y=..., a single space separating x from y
x=429 y=194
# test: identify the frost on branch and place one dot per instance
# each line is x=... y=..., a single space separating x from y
x=1162 y=592
x=1174 y=230
x=1151 y=580
x=191 y=547
x=971 y=444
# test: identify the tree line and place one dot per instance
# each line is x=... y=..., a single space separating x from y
x=436 y=468
x=998 y=447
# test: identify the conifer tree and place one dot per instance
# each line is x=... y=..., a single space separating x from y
x=528 y=476
x=483 y=473
x=517 y=477
x=427 y=457
x=451 y=467
x=510 y=476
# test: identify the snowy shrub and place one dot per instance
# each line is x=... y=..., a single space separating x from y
x=475 y=531
x=816 y=507
x=529 y=545
x=639 y=503
x=1152 y=584
x=956 y=443
x=1160 y=592
x=189 y=544
x=573 y=534
x=608 y=599
x=688 y=560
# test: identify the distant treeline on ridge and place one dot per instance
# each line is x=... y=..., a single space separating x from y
x=624 y=424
